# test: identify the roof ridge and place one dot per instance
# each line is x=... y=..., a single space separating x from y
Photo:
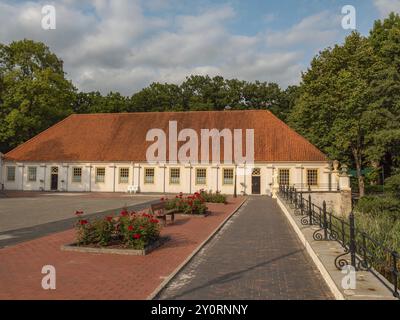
x=187 y=111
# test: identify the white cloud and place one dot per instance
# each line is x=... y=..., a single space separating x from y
x=387 y=6
x=321 y=28
x=113 y=45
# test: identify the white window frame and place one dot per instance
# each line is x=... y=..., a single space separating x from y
x=147 y=176
x=32 y=174
x=103 y=179
x=197 y=177
x=75 y=177
x=122 y=179
x=226 y=181
x=176 y=180
x=8 y=173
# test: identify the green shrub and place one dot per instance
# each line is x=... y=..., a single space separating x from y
x=132 y=230
x=211 y=197
x=193 y=204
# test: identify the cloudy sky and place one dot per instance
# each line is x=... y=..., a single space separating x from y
x=124 y=45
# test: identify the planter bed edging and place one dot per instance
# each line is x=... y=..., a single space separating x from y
x=132 y=252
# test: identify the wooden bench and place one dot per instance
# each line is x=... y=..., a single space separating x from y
x=158 y=210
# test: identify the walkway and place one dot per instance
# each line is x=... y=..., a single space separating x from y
x=38 y=214
x=255 y=256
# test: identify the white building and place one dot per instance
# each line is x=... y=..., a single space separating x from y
x=107 y=152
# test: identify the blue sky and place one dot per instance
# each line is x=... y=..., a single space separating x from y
x=125 y=45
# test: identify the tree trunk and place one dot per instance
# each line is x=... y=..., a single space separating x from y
x=361 y=184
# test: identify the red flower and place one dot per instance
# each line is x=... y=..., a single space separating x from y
x=154 y=221
x=109 y=218
x=83 y=222
x=162 y=199
x=136 y=236
x=124 y=213
x=130 y=228
x=78 y=212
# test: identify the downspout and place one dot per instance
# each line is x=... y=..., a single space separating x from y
x=164 y=167
x=114 y=177
x=217 y=176
x=90 y=177
x=138 y=178
x=190 y=177
x=22 y=178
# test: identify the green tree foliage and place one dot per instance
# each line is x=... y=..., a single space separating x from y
x=34 y=93
x=348 y=101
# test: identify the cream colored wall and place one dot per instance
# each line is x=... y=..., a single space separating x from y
x=136 y=173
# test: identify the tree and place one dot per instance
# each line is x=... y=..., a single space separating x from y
x=338 y=108
x=34 y=93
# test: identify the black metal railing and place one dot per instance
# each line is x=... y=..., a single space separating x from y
x=334 y=187
x=361 y=251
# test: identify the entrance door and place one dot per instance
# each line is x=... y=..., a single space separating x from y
x=255 y=185
x=54 y=178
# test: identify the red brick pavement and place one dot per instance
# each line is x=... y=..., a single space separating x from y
x=102 y=276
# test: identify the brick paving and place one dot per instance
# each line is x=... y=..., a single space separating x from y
x=255 y=256
x=102 y=276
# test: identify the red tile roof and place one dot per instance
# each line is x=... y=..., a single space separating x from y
x=122 y=136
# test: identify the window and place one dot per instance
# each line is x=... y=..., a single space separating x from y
x=100 y=175
x=10 y=173
x=312 y=177
x=149 y=175
x=228 y=176
x=31 y=173
x=123 y=175
x=174 y=175
x=76 y=174
x=201 y=176
x=256 y=172
x=284 y=177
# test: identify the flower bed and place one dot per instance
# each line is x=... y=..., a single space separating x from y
x=128 y=231
x=191 y=205
x=211 y=197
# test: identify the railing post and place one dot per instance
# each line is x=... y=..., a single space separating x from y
x=295 y=198
x=309 y=208
x=325 y=221
x=352 y=245
x=301 y=203
x=395 y=272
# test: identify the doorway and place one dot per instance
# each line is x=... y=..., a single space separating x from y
x=256 y=181
x=54 y=178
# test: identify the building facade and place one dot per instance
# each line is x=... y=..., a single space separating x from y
x=107 y=153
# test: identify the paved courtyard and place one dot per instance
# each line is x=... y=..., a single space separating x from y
x=103 y=276
x=29 y=215
x=255 y=256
